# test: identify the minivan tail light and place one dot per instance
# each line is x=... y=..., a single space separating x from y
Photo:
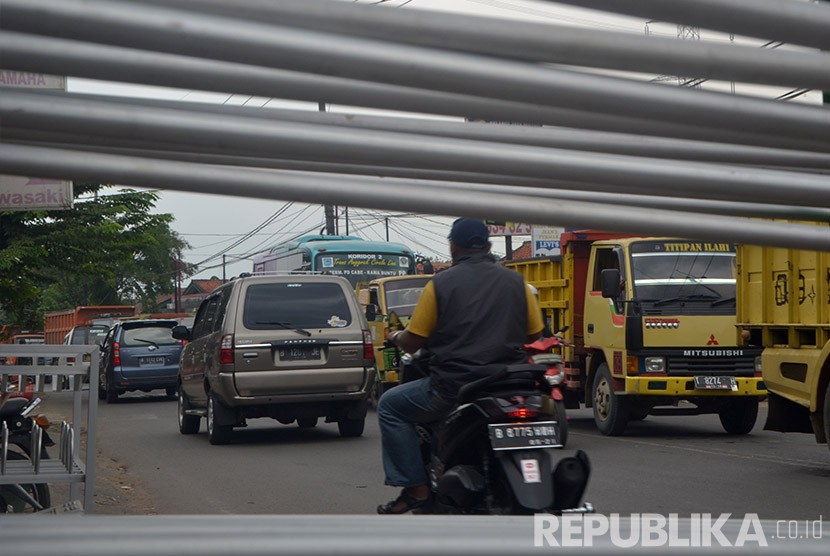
x=368 y=346
x=226 y=350
x=116 y=354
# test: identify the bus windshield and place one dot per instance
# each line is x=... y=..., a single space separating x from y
x=363 y=267
x=696 y=273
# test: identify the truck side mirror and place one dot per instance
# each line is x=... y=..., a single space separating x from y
x=181 y=332
x=371 y=312
x=610 y=280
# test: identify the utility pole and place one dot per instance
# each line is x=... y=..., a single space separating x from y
x=328 y=209
x=387 y=228
x=223 y=269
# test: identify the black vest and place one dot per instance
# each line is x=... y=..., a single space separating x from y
x=482 y=322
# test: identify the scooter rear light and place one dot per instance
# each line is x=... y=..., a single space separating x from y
x=226 y=350
x=116 y=354
x=522 y=413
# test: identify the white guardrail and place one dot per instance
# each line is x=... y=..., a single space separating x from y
x=44 y=369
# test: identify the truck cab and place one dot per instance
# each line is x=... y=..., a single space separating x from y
x=653 y=327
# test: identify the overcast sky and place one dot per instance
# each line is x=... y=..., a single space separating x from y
x=213 y=224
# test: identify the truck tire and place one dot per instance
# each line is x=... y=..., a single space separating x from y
x=610 y=410
x=739 y=416
x=827 y=415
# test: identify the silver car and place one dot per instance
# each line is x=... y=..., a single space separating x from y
x=291 y=347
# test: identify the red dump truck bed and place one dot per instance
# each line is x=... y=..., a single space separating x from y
x=57 y=324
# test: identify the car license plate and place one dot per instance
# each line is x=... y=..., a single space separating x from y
x=150 y=361
x=518 y=436
x=299 y=353
x=715 y=383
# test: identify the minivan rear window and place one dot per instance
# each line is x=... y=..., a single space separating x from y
x=147 y=335
x=298 y=305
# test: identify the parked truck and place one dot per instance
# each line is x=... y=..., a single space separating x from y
x=784 y=307
x=57 y=324
x=652 y=325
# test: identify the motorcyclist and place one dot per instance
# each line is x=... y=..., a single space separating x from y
x=474 y=318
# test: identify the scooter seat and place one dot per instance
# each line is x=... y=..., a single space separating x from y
x=13 y=407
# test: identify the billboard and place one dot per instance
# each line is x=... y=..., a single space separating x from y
x=497 y=229
x=545 y=240
x=32 y=193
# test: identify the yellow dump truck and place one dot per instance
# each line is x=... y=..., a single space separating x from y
x=653 y=327
x=784 y=306
x=388 y=304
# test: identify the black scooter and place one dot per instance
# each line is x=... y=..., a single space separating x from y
x=499 y=451
x=20 y=435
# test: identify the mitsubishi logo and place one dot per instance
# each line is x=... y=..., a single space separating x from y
x=712 y=341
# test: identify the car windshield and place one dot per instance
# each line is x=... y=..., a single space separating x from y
x=160 y=335
x=295 y=305
x=88 y=335
x=403 y=295
x=683 y=272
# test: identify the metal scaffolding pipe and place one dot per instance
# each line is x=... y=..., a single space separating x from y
x=376 y=193
x=466 y=181
x=333 y=144
x=125 y=24
x=794 y=22
x=555 y=137
x=532 y=41
x=23 y=52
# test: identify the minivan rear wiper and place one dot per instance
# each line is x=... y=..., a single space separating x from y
x=288 y=326
x=152 y=343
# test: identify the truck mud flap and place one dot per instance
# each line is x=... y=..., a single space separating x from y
x=786 y=416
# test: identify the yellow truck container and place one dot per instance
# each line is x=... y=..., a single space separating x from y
x=652 y=323
x=388 y=304
x=784 y=306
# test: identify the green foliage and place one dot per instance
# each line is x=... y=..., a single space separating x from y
x=109 y=249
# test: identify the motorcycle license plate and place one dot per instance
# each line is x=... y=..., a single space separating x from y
x=151 y=361
x=519 y=436
x=715 y=383
x=299 y=354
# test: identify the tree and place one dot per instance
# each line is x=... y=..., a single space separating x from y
x=107 y=250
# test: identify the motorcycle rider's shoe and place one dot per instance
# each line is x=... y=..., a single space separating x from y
x=402 y=504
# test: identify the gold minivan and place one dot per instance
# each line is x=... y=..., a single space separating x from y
x=289 y=347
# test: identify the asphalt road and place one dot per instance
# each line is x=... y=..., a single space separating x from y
x=682 y=465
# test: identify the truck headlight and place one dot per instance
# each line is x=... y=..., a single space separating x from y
x=759 y=368
x=655 y=365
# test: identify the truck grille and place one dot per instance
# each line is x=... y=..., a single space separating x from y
x=711 y=366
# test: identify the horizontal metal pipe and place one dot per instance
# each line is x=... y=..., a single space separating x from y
x=794 y=22
x=376 y=193
x=465 y=181
x=332 y=144
x=532 y=41
x=556 y=137
x=65 y=57
x=125 y=24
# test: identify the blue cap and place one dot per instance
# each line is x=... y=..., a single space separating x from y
x=469 y=233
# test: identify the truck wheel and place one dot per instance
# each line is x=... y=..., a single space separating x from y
x=739 y=416
x=610 y=410
x=217 y=434
x=827 y=415
x=559 y=406
x=188 y=424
